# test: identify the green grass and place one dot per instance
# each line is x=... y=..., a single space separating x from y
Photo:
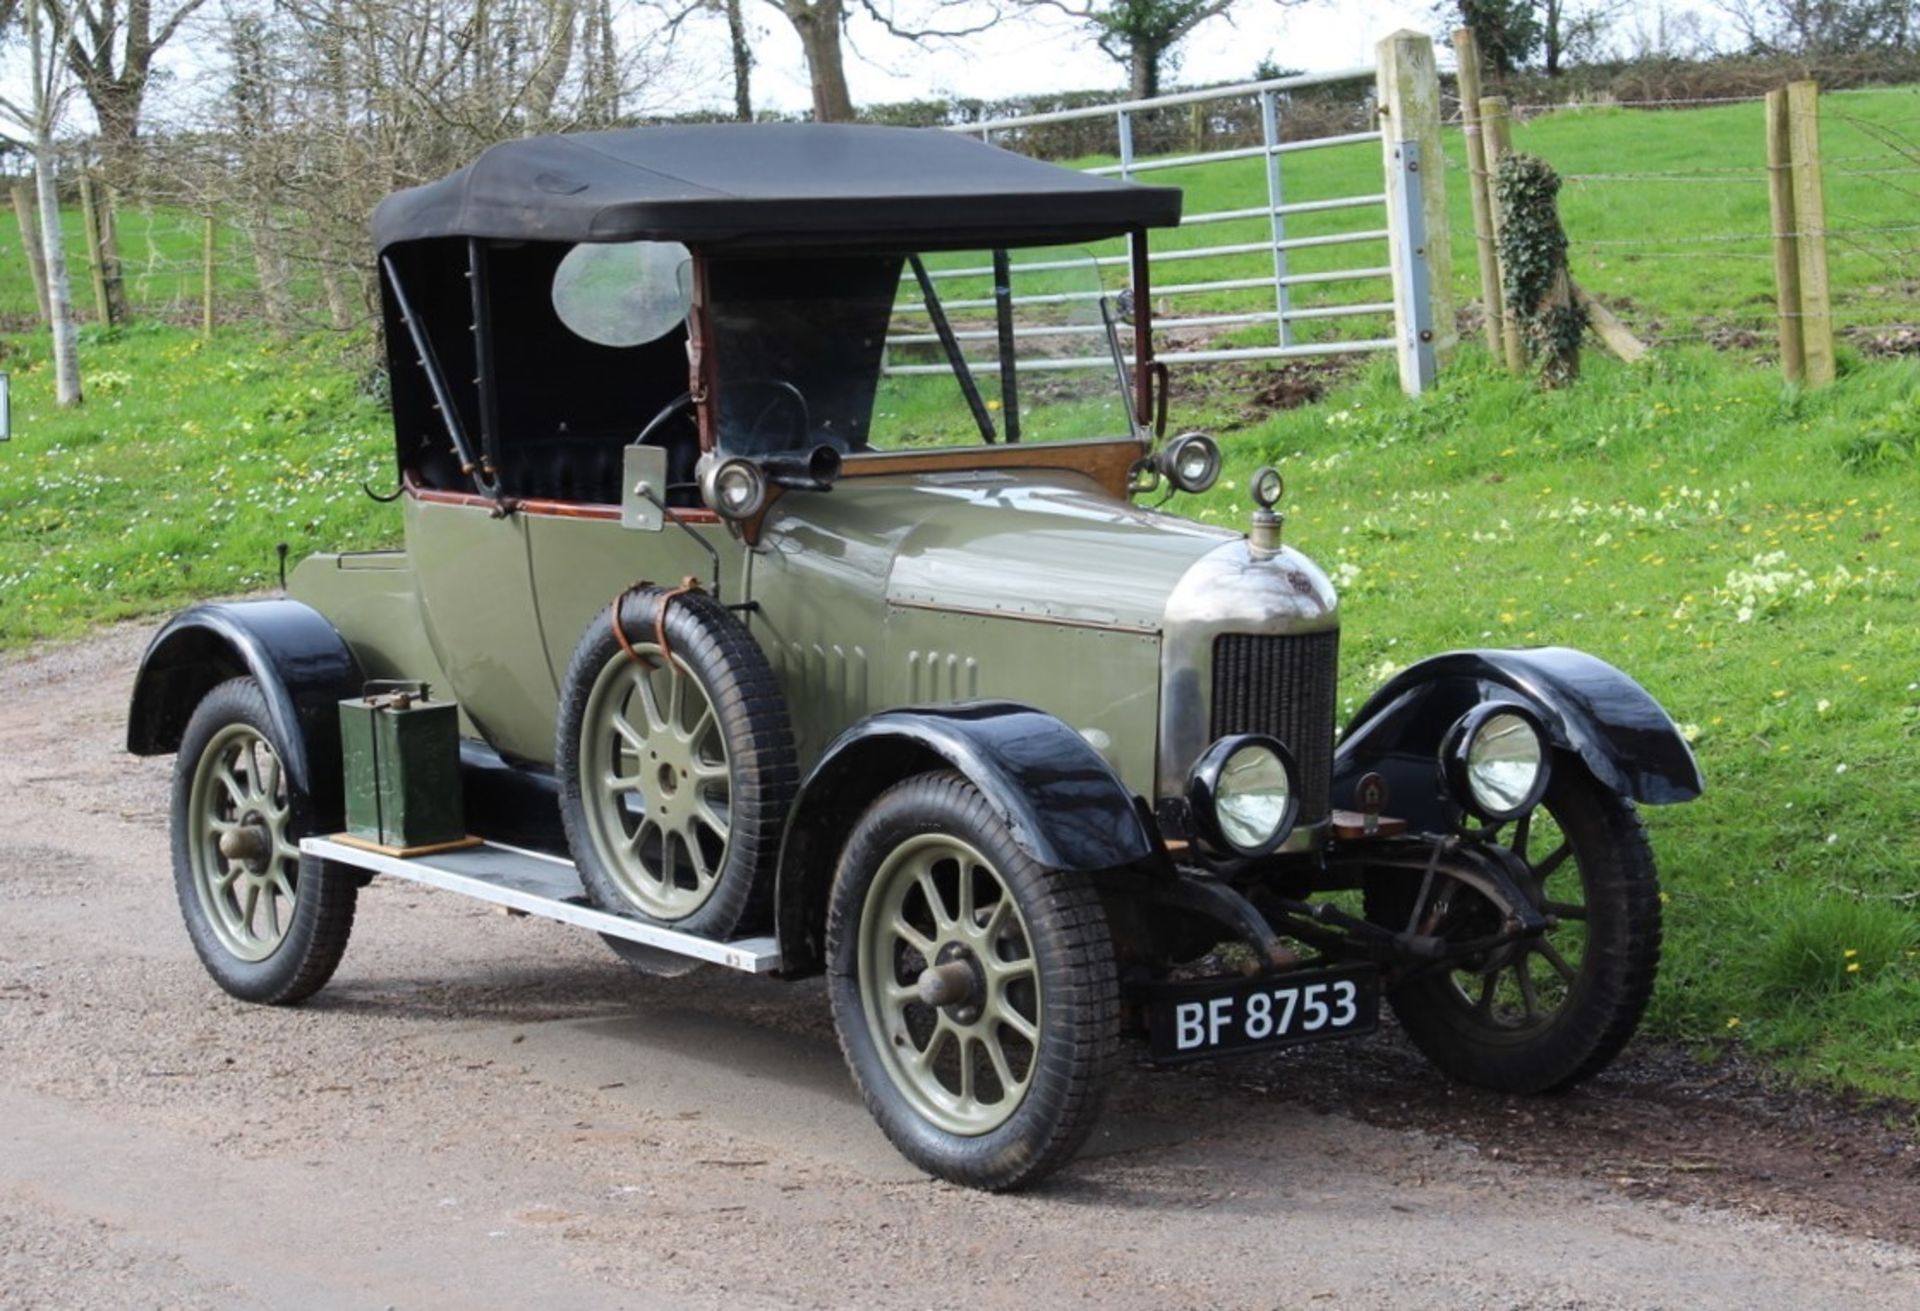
x=189 y=461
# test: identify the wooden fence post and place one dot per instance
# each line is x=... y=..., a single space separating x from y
x=206 y=278
x=1786 y=253
x=1496 y=125
x=1408 y=87
x=96 y=259
x=23 y=210
x=1492 y=296
x=1810 y=228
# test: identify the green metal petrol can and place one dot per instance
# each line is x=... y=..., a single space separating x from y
x=400 y=753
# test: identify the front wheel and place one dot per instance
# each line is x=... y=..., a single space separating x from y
x=974 y=991
x=1540 y=1015
x=265 y=931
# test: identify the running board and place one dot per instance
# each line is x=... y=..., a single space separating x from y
x=546 y=886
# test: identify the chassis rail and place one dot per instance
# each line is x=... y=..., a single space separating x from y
x=546 y=886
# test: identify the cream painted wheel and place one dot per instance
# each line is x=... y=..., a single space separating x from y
x=949 y=984
x=974 y=990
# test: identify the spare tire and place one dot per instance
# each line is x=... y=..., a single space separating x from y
x=676 y=768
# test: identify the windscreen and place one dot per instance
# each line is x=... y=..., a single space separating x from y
x=891 y=352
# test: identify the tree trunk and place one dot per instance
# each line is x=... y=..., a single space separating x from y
x=23 y=210
x=66 y=345
x=1143 y=69
x=742 y=63
x=270 y=264
x=544 y=87
x=819 y=28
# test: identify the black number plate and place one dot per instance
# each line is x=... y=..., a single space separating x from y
x=1217 y=1016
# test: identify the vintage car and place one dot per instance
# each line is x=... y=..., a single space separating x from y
x=796 y=587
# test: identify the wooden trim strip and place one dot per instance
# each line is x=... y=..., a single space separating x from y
x=541 y=508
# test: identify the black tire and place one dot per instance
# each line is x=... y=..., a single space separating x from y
x=1075 y=1008
x=731 y=873
x=1599 y=997
x=296 y=955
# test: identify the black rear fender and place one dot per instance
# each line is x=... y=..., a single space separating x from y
x=302 y=664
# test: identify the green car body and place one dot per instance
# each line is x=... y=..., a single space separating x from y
x=1032 y=585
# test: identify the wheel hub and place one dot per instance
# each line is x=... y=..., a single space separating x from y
x=954 y=983
x=249 y=843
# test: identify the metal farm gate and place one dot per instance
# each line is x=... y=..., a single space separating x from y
x=1389 y=267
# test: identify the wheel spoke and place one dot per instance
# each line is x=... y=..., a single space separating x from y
x=1553 y=861
x=1489 y=982
x=285 y=850
x=912 y=937
x=696 y=856
x=1010 y=971
x=248 y=905
x=935 y=904
x=620 y=784
x=966 y=1069
x=270 y=786
x=1521 y=832
x=706 y=814
x=700 y=726
x=966 y=877
x=224 y=775
x=709 y=771
x=1001 y=1070
x=1566 y=910
x=1019 y=1023
x=273 y=913
x=649 y=702
x=1528 y=996
x=627 y=733
x=996 y=920
x=1559 y=962
x=924 y=1058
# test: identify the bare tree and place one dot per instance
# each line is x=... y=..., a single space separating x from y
x=331 y=104
x=821 y=25
x=111 y=51
x=38 y=116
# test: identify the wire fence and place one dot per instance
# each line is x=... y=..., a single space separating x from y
x=1683 y=249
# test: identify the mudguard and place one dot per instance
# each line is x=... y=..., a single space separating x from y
x=302 y=664
x=1061 y=801
x=1590 y=708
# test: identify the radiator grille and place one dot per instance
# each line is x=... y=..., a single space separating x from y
x=1283 y=686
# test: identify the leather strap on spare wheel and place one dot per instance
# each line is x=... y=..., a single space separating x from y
x=666 y=598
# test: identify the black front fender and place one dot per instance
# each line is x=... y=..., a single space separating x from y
x=1060 y=800
x=302 y=664
x=1591 y=709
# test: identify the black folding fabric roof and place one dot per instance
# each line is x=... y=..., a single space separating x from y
x=770 y=184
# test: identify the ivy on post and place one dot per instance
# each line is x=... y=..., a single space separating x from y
x=1533 y=253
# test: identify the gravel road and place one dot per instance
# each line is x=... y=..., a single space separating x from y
x=487 y=1111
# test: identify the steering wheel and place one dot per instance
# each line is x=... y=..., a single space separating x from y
x=786 y=397
x=667 y=411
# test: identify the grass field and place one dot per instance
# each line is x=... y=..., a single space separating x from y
x=1751 y=553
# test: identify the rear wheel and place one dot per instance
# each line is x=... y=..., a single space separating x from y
x=1543 y=1014
x=974 y=991
x=266 y=931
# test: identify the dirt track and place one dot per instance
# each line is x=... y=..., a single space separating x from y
x=483 y=1111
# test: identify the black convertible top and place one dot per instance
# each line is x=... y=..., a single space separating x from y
x=770 y=184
